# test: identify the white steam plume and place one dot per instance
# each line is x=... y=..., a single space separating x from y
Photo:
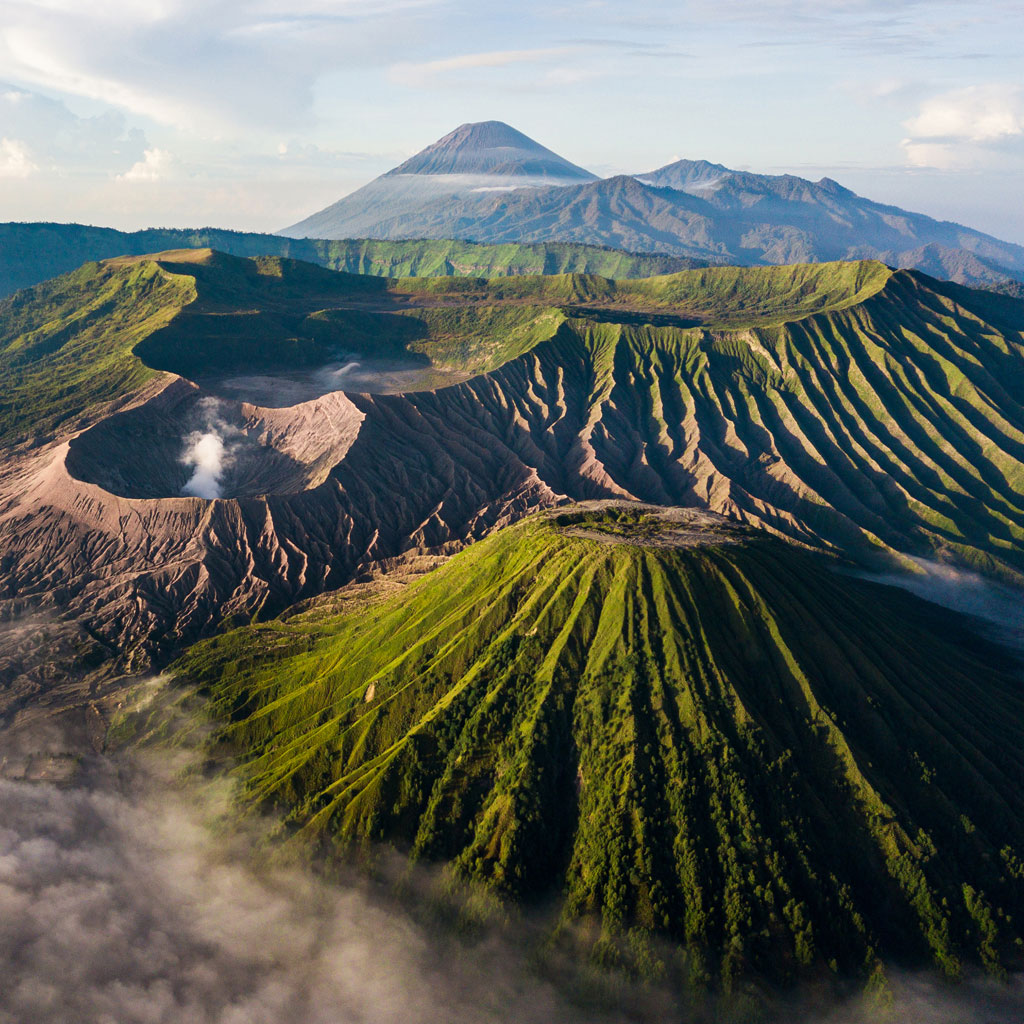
x=208 y=454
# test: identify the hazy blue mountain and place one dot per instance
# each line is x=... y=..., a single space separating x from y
x=490 y=183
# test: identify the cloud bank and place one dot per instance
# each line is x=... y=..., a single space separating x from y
x=965 y=127
x=128 y=897
x=127 y=905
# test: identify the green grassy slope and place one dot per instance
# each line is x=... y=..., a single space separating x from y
x=776 y=767
x=718 y=296
x=66 y=345
x=30 y=253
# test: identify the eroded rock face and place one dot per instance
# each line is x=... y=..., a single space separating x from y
x=96 y=528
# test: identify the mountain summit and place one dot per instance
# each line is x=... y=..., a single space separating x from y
x=491 y=147
x=467 y=166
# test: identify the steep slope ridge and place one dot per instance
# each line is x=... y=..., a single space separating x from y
x=648 y=714
x=689 y=208
x=843 y=406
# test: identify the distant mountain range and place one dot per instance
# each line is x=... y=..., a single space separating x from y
x=490 y=183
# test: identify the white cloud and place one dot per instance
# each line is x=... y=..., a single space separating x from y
x=15 y=160
x=154 y=166
x=966 y=127
x=981 y=113
x=203 y=66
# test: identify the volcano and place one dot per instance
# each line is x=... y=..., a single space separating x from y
x=646 y=714
x=474 y=162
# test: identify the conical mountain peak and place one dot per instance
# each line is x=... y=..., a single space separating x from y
x=491 y=148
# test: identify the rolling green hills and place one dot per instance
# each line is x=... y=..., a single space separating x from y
x=30 y=253
x=673 y=726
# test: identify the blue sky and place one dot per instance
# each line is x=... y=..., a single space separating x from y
x=251 y=115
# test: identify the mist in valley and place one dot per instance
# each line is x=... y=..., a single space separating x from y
x=997 y=608
x=355 y=374
x=131 y=893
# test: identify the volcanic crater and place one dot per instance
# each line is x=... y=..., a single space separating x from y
x=156 y=449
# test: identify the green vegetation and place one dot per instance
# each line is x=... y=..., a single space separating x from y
x=731 y=297
x=624 y=523
x=67 y=345
x=36 y=252
x=775 y=767
x=721 y=297
x=96 y=334
x=477 y=339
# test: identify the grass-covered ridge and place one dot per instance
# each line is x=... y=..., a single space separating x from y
x=68 y=344
x=30 y=253
x=673 y=741
x=718 y=297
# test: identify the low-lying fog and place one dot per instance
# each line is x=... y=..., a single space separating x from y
x=125 y=898
x=1000 y=607
x=289 y=387
x=123 y=901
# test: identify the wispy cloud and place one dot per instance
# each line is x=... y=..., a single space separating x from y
x=423 y=72
x=211 y=66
